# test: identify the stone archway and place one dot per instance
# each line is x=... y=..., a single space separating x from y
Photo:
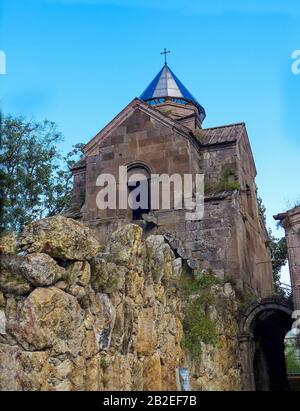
x=263 y=329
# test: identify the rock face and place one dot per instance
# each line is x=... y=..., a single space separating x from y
x=60 y=237
x=72 y=318
x=41 y=269
x=219 y=367
x=8 y=243
x=48 y=319
x=11 y=279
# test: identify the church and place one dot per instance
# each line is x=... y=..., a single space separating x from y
x=162 y=132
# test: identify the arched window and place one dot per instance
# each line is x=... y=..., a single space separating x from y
x=138 y=182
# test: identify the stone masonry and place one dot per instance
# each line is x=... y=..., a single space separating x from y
x=77 y=316
x=290 y=221
x=231 y=239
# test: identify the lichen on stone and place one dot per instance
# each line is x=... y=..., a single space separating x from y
x=73 y=317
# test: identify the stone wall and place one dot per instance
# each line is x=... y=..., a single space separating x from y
x=231 y=238
x=290 y=220
x=140 y=139
x=78 y=316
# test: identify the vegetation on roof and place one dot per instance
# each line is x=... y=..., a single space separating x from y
x=227 y=182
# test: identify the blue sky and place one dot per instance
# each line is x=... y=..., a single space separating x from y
x=79 y=63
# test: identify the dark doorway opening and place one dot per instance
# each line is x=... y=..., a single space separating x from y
x=139 y=211
x=138 y=183
x=269 y=364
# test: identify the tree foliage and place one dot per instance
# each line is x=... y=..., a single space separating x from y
x=292 y=357
x=35 y=178
x=262 y=209
x=278 y=249
x=197 y=326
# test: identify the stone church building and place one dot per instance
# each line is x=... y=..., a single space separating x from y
x=162 y=133
x=119 y=316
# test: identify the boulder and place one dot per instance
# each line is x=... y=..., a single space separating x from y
x=8 y=243
x=61 y=238
x=99 y=273
x=160 y=258
x=41 y=270
x=48 y=319
x=78 y=272
x=105 y=315
x=33 y=371
x=11 y=279
x=107 y=277
x=122 y=337
x=108 y=320
x=14 y=284
x=8 y=367
x=125 y=245
x=21 y=370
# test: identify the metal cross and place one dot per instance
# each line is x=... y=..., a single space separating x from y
x=165 y=52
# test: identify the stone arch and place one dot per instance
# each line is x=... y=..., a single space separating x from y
x=263 y=329
x=258 y=308
x=140 y=164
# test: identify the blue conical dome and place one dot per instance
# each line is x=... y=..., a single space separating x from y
x=166 y=85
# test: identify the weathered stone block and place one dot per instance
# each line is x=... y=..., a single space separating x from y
x=146 y=332
x=41 y=270
x=48 y=318
x=60 y=237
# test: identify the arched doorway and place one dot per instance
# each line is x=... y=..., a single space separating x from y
x=138 y=182
x=265 y=325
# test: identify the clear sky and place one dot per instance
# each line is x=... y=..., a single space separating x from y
x=79 y=63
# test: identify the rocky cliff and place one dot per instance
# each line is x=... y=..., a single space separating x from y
x=75 y=315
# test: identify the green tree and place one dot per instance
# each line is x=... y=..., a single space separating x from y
x=60 y=197
x=35 y=178
x=278 y=249
x=262 y=209
x=292 y=358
